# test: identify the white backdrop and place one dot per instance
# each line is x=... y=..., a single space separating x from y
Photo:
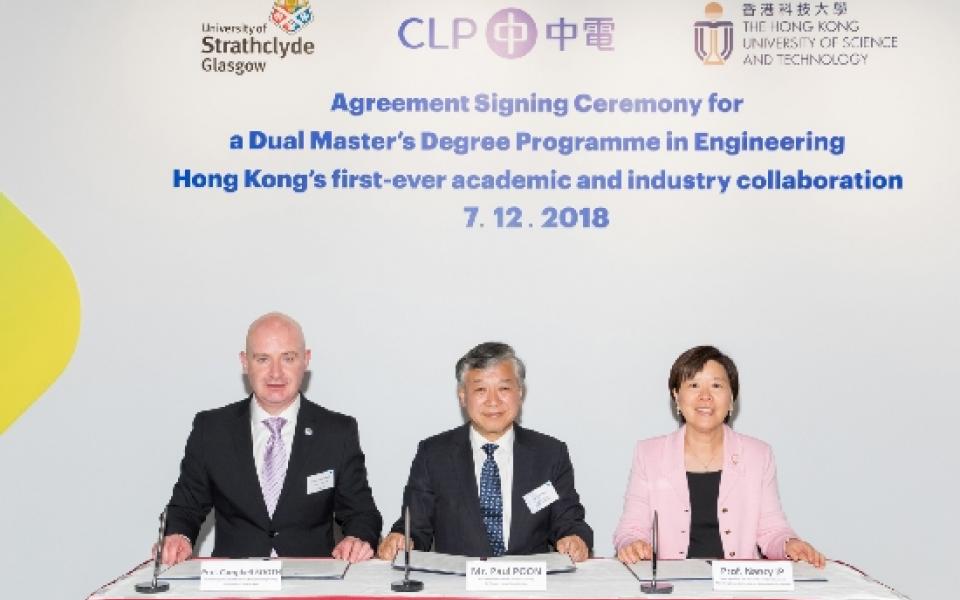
x=840 y=307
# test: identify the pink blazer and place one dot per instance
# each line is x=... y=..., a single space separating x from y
x=748 y=506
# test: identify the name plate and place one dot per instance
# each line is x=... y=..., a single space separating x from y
x=240 y=575
x=753 y=576
x=506 y=576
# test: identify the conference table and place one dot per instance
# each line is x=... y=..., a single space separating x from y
x=598 y=578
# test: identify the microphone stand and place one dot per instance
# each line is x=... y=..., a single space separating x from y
x=654 y=586
x=153 y=586
x=406 y=584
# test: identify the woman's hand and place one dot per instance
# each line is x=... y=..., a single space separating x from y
x=797 y=550
x=638 y=550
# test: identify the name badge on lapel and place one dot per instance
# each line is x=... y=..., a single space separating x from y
x=319 y=482
x=541 y=497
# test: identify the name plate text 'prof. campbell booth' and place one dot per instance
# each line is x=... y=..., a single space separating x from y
x=240 y=575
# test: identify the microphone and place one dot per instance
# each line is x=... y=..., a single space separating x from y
x=153 y=586
x=655 y=587
x=406 y=584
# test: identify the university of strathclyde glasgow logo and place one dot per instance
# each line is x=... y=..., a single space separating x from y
x=291 y=15
x=706 y=36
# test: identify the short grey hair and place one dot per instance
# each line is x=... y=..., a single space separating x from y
x=487 y=355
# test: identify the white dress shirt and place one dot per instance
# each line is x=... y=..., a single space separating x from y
x=503 y=456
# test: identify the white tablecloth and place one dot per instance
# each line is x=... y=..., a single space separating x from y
x=597 y=578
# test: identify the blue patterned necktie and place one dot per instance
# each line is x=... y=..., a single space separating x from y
x=491 y=500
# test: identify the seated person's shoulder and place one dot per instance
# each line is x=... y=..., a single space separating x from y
x=541 y=440
x=334 y=427
x=230 y=410
x=445 y=439
x=753 y=445
x=309 y=409
x=655 y=445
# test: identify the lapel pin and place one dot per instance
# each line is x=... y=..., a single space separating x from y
x=735 y=458
x=307 y=431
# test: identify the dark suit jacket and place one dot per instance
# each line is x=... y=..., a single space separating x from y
x=218 y=471
x=445 y=504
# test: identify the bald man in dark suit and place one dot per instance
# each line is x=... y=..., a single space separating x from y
x=276 y=468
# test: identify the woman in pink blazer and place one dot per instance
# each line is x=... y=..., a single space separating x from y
x=714 y=490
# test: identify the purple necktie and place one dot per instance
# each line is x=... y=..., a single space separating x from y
x=274 y=464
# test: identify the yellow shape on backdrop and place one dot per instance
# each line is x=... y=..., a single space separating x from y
x=39 y=313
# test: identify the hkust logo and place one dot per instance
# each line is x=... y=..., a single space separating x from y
x=291 y=15
x=713 y=38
